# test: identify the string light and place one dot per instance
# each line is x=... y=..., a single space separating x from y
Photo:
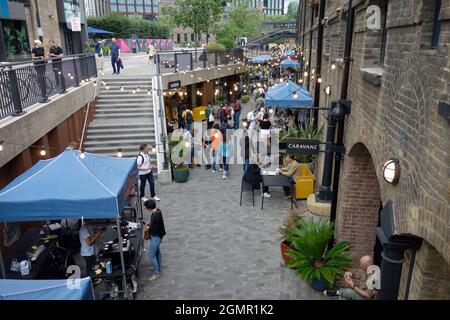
x=305 y=73
x=295 y=95
x=107 y=87
x=82 y=154
x=328 y=90
x=43 y=151
x=319 y=80
x=138 y=89
x=245 y=123
x=186 y=144
x=134 y=90
x=149 y=93
x=154 y=149
x=164 y=93
x=119 y=153
x=121 y=88
x=1 y=145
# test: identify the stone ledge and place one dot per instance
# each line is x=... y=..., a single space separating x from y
x=373 y=75
x=318 y=208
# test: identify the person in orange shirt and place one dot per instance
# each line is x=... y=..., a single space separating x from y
x=216 y=138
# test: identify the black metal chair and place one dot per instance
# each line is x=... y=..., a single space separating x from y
x=247 y=186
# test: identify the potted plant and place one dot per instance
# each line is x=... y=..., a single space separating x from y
x=312 y=257
x=177 y=148
x=288 y=230
x=305 y=131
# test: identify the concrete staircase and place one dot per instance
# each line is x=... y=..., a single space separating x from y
x=123 y=119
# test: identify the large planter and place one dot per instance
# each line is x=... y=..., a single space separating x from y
x=285 y=248
x=310 y=166
x=319 y=284
x=180 y=174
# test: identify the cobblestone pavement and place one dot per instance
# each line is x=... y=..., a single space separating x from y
x=215 y=249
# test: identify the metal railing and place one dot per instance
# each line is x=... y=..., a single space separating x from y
x=184 y=60
x=23 y=84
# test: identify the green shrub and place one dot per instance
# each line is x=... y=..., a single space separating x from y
x=245 y=98
x=214 y=46
x=106 y=50
x=226 y=42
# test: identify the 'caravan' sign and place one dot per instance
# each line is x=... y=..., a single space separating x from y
x=302 y=146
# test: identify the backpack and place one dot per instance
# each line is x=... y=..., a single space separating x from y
x=189 y=117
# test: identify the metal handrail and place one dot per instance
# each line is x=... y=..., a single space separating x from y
x=6 y=64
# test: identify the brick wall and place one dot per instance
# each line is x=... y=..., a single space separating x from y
x=396 y=116
x=360 y=202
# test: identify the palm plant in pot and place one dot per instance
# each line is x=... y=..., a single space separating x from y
x=177 y=150
x=312 y=257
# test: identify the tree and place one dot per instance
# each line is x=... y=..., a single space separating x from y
x=292 y=10
x=199 y=15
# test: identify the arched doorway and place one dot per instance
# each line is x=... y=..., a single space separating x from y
x=359 y=203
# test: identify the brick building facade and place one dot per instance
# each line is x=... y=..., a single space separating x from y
x=398 y=75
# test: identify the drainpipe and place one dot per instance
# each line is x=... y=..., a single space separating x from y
x=410 y=273
x=310 y=47
x=318 y=62
x=340 y=124
x=2 y=44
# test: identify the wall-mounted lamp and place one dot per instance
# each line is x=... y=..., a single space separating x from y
x=391 y=171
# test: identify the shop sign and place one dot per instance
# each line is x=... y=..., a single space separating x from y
x=76 y=24
x=175 y=84
x=302 y=146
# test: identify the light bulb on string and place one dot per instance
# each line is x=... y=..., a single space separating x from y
x=138 y=89
x=134 y=90
x=149 y=93
x=245 y=124
x=154 y=149
x=82 y=154
x=333 y=66
x=187 y=144
x=295 y=95
x=121 y=88
x=319 y=80
x=119 y=153
x=43 y=151
x=305 y=73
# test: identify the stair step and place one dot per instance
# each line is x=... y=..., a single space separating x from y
x=130 y=129
x=148 y=136
x=128 y=92
x=124 y=103
x=129 y=149
x=119 y=142
x=122 y=99
x=136 y=110
x=118 y=116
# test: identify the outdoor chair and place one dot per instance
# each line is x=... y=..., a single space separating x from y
x=247 y=186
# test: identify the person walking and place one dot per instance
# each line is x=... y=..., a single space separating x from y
x=188 y=119
x=225 y=152
x=251 y=118
x=157 y=232
x=215 y=138
x=38 y=56
x=209 y=114
x=115 y=56
x=145 y=172
x=56 y=53
x=150 y=52
x=237 y=114
x=99 y=55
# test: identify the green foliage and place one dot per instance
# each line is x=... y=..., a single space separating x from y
x=310 y=254
x=291 y=226
x=200 y=15
x=106 y=50
x=177 y=149
x=9 y=41
x=226 y=42
x=292 y=11
x=245 y=98
x=278 y=18
x=214 y=46
x=124 y=27
x=302 y=132
x=88 y=49
x=22 y=39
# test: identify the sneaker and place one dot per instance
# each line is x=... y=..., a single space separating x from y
x=220 y=169
x=213 y=171
x=156 y=198
x=144 y=199
x=154 y=277
x=266 y=195
x=224 y=177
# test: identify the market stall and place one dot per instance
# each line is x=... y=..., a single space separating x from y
x=73 y=185
x=79 y=289
x=288 y=95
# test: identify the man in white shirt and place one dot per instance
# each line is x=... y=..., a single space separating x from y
x=145 y=172
x=251 y=118
x=87 y=241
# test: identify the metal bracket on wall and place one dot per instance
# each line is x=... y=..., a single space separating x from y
x=347 y=104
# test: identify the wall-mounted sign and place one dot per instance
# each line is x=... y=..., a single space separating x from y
x=76 y=24
x=302 y=146
x=175 y=84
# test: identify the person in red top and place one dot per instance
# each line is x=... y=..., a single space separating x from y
x=237 y=114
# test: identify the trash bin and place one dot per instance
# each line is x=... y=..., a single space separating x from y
x=304 y=184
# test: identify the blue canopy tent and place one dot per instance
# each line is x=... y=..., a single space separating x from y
x=98 y=31
x=285 y=84
x=70 y=187
x=261 y=59
x=62 y=289
x=289 y=64
x=288 y=95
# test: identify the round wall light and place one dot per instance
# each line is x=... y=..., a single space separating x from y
x=391 y=171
